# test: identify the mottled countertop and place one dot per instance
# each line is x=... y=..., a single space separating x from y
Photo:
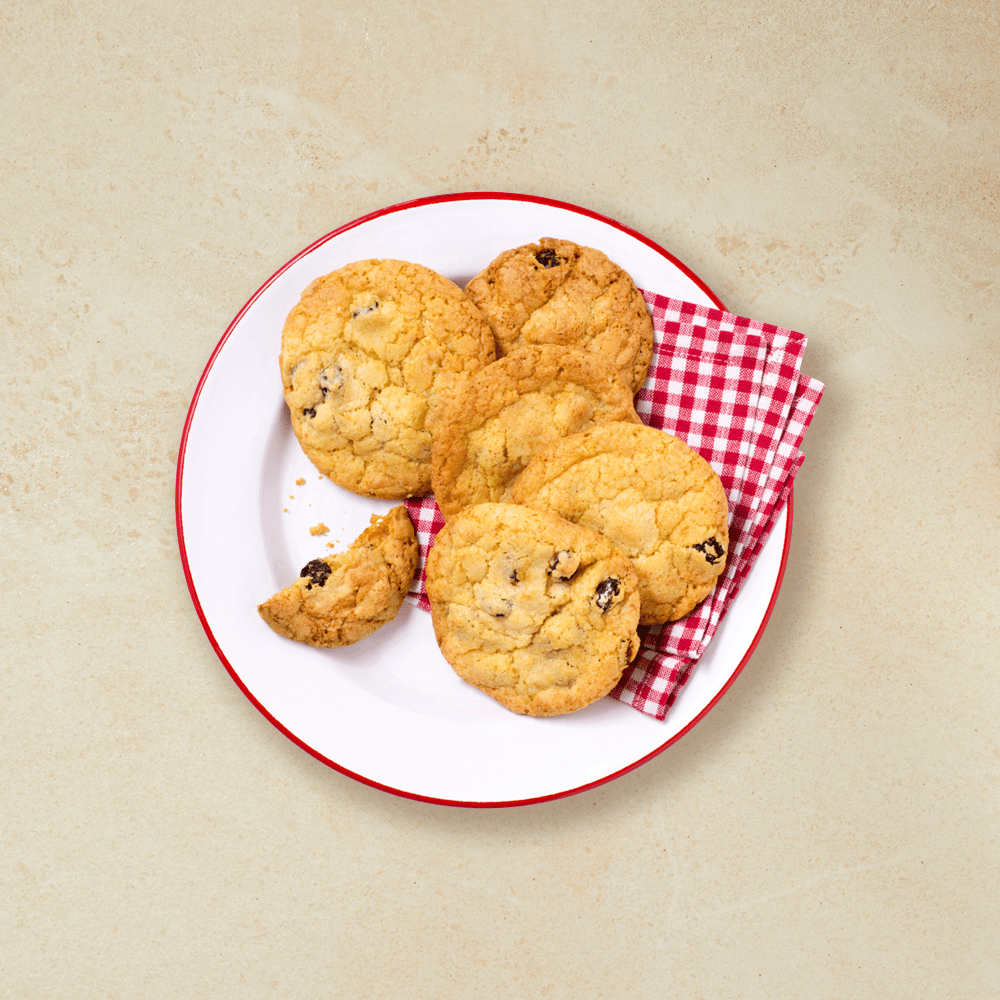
x=830 y=829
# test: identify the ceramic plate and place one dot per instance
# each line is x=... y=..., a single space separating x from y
x=389 y=711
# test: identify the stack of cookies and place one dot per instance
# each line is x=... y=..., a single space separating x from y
x=568 y=522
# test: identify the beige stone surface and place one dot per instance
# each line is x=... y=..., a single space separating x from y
x=830 y=829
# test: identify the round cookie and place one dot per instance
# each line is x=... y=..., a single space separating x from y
x=512 y=408
x=344 y=597
x=368 y=356
x=558 y=292
x=654 y=498
x=538 y=613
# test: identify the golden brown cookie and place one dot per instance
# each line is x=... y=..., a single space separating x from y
x=558 y=292
x=512 y=408
x=538 y=613
x=654 y=498
x=341 y=598
x=368 y=357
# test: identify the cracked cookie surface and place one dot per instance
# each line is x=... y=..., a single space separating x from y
x=344 y=597
x=558 y=292
x=654 y=498
x=509 y=410
x=538 y=613
x=368 y=357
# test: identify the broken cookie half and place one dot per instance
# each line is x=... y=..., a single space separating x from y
x=341 y=598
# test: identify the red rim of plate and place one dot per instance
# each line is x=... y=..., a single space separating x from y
x=391 y=209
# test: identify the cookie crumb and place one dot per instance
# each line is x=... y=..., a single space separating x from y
x=300 y=482
x=318 y=529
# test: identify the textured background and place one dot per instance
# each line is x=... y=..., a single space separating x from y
x=830 y=829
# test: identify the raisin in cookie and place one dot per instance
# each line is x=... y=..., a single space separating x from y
x=538 y=613
x=367 y=358
x=558 y=292
x=512 y=408
x=650 y=495
x=343 y=597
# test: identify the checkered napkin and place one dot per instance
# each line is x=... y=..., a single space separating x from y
x=731 y=388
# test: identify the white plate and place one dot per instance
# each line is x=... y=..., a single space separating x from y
x=389 y=711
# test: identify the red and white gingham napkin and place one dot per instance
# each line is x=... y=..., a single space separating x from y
x=731 y=388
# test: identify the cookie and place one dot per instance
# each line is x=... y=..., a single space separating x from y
x=558 y=292
x=344 y=597
x=538 y=613
x=654 y=498
x=368 y=357
x=512 y=408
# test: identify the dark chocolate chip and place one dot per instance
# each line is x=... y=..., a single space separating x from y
x=607 y=591
x=549 y=258
x=514 y=576
x=309 y=411
x=331 y=380
x=717 y=550
x=318 y=572
x=560 y=563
